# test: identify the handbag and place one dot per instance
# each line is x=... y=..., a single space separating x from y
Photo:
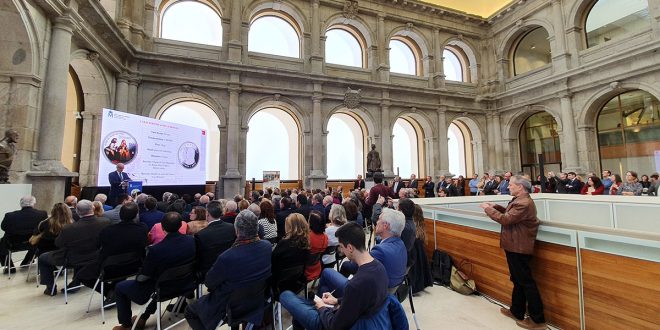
x=460 y=282
x=34 y=239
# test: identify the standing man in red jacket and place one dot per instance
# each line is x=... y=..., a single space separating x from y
x=519 y=228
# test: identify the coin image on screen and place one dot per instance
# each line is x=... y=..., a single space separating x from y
x=188 y=155
x=119 y=147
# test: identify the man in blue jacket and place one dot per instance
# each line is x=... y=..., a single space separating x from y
x=391 y=252
x=245 y=263
x=174 y=250
x=117 y=181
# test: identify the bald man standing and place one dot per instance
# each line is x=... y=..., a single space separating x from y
x=118 y=182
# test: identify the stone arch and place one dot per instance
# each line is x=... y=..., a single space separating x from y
x=421 y=118
x=361 y=113
x=468 y=49
x=358 y=23
x=589 y=114
x=283 y=103
x=286 y=7
x=578 y=15
x=512 y=127
x=217 y=5
x=512 y=36
x=479 y=152
x=167 y=97
x=420 y=40
x=94 y=81
x=21 y=56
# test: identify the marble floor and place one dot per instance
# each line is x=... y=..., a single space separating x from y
x=23 y=306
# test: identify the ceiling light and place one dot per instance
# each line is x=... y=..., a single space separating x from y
x=533 y=47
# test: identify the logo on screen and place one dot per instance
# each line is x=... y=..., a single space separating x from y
x=188 y=155
x=119 y=147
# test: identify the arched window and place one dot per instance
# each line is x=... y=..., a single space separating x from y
x=343 y=46
x=345 y=157
x=404 y=56
x=272 y=144
x=191 y=21
x=629 y=133
x=532 y=51
x=405 y=147
x=276 y=35
x=538 y=135
x=456 y=150
x=199 y=115
x=72 y=123
x=452 y=65
x=612 y=19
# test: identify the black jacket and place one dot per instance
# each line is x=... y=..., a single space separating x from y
x=211 y=242
x=79 y=241
x=19 y=225
x=280 y=217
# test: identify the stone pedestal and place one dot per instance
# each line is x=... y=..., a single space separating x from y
x=11 y=196
x=232 y=185
x=317 y=180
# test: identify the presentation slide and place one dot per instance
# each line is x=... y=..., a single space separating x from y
x=156 y=152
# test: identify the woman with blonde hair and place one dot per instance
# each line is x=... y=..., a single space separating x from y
x=48 y=230
x=292 y=250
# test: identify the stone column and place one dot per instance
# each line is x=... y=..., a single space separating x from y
x=654 y=11
x=133 y=95
x=317 y=178
x=317 y=57
x=383 y=68
x=497 y=134
x=234 y=43
x=560 y=57
x=232 y=180
x=137 y=28
x=386 y=136
x=477 y=152
x=491 y=143
x=48 y=175
x=121 y=92
x=443 y=148
x=569 y=142
x=439 y=74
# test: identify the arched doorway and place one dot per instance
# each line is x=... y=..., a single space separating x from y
x=71 y=144
x=197 y=114
x=459 y=147
x=273 y=144
x=538 y=136
x=629 y=133
x=406 y=147
x=346 y=147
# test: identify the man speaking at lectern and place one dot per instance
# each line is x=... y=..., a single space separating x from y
x=118 y=183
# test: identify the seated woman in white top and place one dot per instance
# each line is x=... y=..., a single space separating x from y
x=337 y=218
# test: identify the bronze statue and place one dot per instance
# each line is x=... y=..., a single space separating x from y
x=373 y=160
x=7 y=152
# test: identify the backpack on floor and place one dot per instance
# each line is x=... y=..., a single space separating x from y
x=441 y=268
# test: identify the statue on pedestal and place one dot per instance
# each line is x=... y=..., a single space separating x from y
x=7 y=152
x=373 y=162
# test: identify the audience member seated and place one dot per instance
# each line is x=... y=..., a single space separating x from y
x=318 y=241
x=616 y=184
x=243 y=205
x=337 y=219
x=229 y=213
x=364 y=295
x=175 y=249
x=48 y=230
x=124 y=237
x=113 y=214
x=98 y=210
x=197 y=220
x=103 y=198
x=420 y=274
x=302 y=206
x=71 y=202
x=213 y=240
x=327 y=205
x=203 y=201
x=77 y=244
x=246 y=262
x=391 y=252
x=254 y=208
x=292 y=250
x=407 y=207
x=352 y=212
x=18 y=227
x=267 y=220
x=152 y=216
x=157 y=232
x=165 y=203
x=631 y=187
x=593 y=187
x=286 y=208
x=317 y=205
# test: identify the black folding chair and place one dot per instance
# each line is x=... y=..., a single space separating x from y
x=331 y=250
x=312 y=259
x=65 y=269
x=129 y=264
x=169 y=286
x=401 y=296
x=244 y=305
x=15 y=244
x=292 y=278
